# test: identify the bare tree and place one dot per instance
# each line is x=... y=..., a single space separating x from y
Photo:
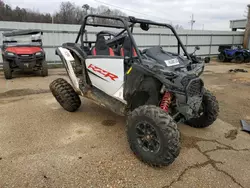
x=68 y=13
x=245 y=12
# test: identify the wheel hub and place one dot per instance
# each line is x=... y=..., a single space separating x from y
x=147 y=137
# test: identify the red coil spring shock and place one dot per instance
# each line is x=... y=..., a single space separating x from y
x=166 y=100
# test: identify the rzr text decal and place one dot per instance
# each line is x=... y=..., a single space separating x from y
x=103 y=72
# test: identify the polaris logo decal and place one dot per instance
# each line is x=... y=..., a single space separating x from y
x=103 y=72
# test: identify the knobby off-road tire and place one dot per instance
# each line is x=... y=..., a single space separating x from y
x=222 y=57
x=210 y=112
x=44 y=71
x=65 y=95
x=239 y=59
x=7 y=70
x=164 y=130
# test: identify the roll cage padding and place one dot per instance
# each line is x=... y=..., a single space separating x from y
x=101 y=48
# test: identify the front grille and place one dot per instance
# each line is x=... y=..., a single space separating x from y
x=187 y=79
x=194 y=87
x=25 y=58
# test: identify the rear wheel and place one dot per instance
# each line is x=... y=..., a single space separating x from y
x=7 y=70
x=44 y=71
x=208 y=114
x=153 y=136
x=65 y=95
x=239 y=59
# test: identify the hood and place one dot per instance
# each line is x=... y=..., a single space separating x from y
x=170 y=60
x=23 y=50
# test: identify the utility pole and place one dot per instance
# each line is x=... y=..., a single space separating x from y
x=86 y=7
x=192 y=21
x=247 y=30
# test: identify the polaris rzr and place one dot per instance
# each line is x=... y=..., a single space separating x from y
x=154 y=88
x=22 y=50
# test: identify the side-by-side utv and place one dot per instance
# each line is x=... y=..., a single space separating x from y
x=153 y=87
x=22 y=50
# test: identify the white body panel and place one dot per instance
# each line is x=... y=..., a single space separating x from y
x=107 y=74
x=68 y=58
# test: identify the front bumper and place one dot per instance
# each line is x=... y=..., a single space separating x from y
x=188 y=103
x=24 y=61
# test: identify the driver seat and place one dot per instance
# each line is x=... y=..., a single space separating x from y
x=101 y=48
x=126 y=49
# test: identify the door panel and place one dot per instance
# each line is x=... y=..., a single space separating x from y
x=107 y=74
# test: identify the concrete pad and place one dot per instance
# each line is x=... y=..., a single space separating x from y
x=204 y=176
x=218 y=133
x=30 y=80
x=42 y=145
x=208 y=146
x=234 y=163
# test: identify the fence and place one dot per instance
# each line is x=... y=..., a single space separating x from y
x=56 y=34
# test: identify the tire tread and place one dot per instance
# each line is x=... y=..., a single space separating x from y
x=171 y=134
x=211 y=115
x=65 y=95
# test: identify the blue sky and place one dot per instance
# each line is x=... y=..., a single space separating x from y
x=213 y=14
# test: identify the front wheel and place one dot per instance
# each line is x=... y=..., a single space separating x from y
x=44 y=71
x=7 y=70
x=65 y=94
x=222 y=57
x=209 y=112
x=153 y=136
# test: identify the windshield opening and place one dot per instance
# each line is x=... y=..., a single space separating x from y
x=157 y=36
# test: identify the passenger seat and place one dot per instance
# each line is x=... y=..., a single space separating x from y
x=101 y=48
x=126 y=48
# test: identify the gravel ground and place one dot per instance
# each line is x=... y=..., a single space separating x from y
x=42 y=145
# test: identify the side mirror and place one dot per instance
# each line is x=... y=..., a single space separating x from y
x=144 y=26
x=207 y=59
x=197 y=48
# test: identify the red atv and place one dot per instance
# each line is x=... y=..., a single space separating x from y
x=22 y=50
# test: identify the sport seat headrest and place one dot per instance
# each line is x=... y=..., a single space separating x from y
x=127 y=43
x=127 y=48
x=101 y=43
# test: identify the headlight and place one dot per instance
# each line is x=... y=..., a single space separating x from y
x=38 y=53
x=10 y=54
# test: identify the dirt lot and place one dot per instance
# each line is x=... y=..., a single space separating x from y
x=42 y=145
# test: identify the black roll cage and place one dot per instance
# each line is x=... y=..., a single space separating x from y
x=126 y=26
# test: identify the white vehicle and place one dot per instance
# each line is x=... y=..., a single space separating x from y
x=154 y=88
